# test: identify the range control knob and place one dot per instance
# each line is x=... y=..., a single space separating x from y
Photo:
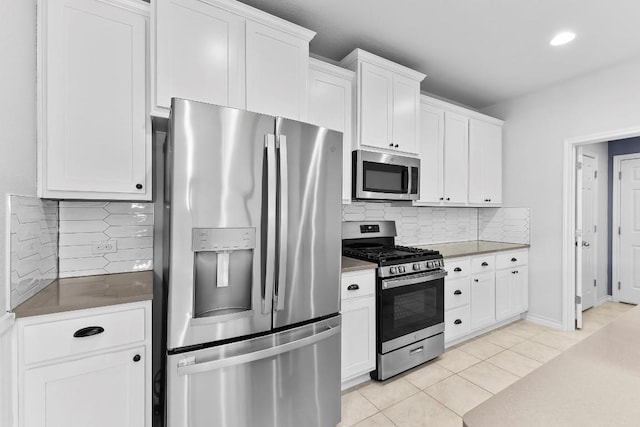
x=416 y=266
x=401 y=269
x=429 y=264
x=393 y=270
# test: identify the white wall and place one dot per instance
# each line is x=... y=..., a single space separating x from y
x=600 y=151
x=17 y=113
x=17 y=146
x=534 y=133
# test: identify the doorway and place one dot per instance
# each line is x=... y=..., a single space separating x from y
x=572 y=235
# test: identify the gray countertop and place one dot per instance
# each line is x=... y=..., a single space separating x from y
x=473 y=247
x=594 y=383
x=352 y=264
x=77 y=293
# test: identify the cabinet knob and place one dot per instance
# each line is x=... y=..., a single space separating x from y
x=136 y=358
x=353 y=287
x=486 y=200
x=391 y=145
x=517 y=272
x=457 y=321
x=139 y=186
x=458 y=292
x=457 y=269
x=484 y=264
x=476 y=280
x=88 y=331
x=514 y=259
x=448 y=198
x=396 y=145
x=489 y=199
x=441 y=198
x=513 y=272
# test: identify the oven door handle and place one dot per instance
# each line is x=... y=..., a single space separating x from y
x=412 y=279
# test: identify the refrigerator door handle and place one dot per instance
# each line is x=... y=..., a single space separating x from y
x=272 y=177
x=283 y=223
x=190 y=368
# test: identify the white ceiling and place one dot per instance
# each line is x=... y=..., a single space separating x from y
x=475 y=52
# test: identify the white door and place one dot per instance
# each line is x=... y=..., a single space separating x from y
x=431 y=154
x=375 y=115
x=456 y=138
x=101 y=391
x=406 y=114
x=629 y=246
x=589 y=212
x=277 y=68
x=199 y=54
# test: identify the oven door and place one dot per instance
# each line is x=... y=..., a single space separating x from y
x=410 y=308
x=385 y=176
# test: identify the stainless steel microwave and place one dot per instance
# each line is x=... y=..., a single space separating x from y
x=382 y=176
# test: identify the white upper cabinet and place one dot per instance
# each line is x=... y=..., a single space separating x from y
x=456 y=139
x=330 y=99
x=460 y=156
x=431 y=154
x=199 y=54
x=227 y=53
x=388 y=103
x=485 y=163
x=277 y=65
x=94 y=130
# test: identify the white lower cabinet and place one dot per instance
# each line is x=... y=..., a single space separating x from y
x=482 y=291
x=96 y=372
x=358 y=324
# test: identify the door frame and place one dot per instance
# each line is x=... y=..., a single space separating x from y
x=569 y=215
x=615 y=222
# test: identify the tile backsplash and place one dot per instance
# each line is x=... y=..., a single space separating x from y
x=425 y=225
x=33 y=246
x=105 y=237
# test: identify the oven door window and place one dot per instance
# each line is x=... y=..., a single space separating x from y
x=385 y=178
x=408 y=309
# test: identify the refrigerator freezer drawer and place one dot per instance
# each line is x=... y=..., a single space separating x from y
x=290 y=378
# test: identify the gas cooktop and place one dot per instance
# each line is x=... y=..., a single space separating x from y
x=388 y=255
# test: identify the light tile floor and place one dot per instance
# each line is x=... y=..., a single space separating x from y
x=440 y=392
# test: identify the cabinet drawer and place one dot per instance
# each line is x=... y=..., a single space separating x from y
x=511 y=259
x=361 y=283
x=456 y=292
x=460 y=267
x=483 y=263
x=52 y=340
x=456 y=323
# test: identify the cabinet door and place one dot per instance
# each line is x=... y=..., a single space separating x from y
x=522 y=278
x=102 y=391
x=431 y=154
x=506 y=295
x=483 y=300
x=199 y=54
x=93 y=140
x=358 y=337
x=375 y=106
x=456 y=137
x=330 y=106
x=485 y=163
x=277 y=66
x=406 y=114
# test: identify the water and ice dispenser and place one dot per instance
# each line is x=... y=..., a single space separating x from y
x=223 y=270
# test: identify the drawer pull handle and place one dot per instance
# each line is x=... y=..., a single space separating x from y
x=88 y=331
x=457 y=269
x=514 y=259
x=416 y=350
x=458 y=292
x=457 y=322
x=485 y=264
x=353 y=287
x=136 y=358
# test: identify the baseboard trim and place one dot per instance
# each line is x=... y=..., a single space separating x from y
x=602 y=300
x=356 y=381
x=482 y=331
x=544 y=321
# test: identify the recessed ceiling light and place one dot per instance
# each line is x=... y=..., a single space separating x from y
x=562 y=38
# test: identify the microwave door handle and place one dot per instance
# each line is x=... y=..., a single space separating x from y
x=408 y=180
x=283 y=223
x=267 y=296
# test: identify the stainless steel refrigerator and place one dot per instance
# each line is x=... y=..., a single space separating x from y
x=252 y=223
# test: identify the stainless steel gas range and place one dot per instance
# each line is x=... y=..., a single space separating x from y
x=409 y=296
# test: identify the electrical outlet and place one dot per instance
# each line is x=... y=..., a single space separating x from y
x=105 y=247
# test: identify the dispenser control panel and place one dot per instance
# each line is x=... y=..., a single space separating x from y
x=223 y=239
